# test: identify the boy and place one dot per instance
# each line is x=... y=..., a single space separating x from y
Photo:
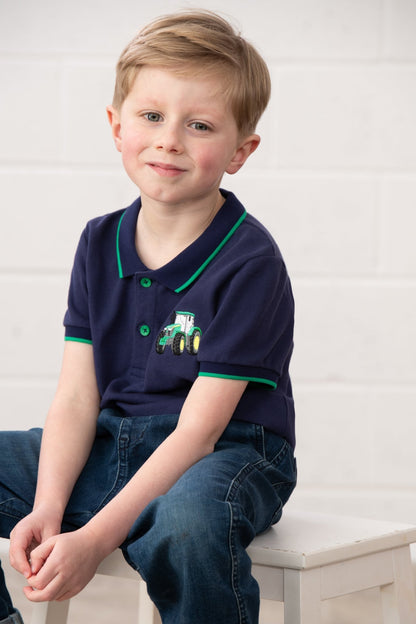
x=172 y=430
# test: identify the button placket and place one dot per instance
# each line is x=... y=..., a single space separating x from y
x=143 y=328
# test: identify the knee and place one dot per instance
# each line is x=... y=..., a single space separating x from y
x=190 y=519
x=183 y=527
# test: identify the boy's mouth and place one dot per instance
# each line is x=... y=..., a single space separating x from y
x=165 y=169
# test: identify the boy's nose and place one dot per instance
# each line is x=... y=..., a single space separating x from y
x=169 y=139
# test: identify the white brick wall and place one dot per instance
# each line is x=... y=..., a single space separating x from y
x=334 y=179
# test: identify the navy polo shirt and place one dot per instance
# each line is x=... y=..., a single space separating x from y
x=221 y=308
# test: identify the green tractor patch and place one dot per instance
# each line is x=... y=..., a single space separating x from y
x=180 y=335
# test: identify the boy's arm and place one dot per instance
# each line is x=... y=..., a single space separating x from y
x=206 y=413
x=66 y=443
x=73 y=558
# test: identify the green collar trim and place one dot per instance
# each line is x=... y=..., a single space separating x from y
x=120 y=268
x=212 y=256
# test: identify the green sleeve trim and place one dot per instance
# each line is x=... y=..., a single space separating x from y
x=71 y=339
x=120 y=268
x=212 y=256
x=241 y=378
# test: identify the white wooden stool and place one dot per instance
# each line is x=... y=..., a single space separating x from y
x=305 y=559
x=308 y=558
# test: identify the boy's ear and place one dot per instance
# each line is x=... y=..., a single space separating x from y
x=243 y=151
x=114 y=119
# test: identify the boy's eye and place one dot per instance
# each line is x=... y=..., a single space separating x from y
x=199 y=125
x=155 y=117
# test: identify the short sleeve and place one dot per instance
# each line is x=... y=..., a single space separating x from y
x=251 y=334
x=76 y=320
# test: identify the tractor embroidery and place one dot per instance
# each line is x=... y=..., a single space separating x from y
x=180 y=334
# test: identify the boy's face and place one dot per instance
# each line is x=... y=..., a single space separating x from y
x=177 y=136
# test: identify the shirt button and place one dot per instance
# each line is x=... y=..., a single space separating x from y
x=144 y=330
x=146 y=282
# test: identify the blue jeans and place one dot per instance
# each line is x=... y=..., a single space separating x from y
x=190 y=544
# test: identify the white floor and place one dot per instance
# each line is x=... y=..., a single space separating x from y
x=106 y=601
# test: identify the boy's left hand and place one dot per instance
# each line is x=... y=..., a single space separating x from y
x=62 y=566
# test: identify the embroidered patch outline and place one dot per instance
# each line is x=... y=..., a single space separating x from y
x=181 y=334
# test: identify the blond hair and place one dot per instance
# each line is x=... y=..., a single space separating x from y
x=200 y=43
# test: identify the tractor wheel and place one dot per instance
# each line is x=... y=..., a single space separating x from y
x=178 y=344
x=194 y=340
x=160 y=347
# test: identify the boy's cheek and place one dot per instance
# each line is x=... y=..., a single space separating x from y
x=211 y=160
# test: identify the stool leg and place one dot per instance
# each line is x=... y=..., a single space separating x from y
x=398 y=598
x=302 y=596
x=39 y=613
x=50 y=612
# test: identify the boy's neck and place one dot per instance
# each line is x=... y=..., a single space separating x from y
x=162 y=233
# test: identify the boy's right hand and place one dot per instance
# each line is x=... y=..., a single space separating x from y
x=44 y=522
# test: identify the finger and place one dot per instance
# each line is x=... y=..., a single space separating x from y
x=58 y=589
x=39 y=555
x=18 y=557
x=45 y=594
x=19 y=562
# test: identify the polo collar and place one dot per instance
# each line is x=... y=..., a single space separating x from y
x=183 y=270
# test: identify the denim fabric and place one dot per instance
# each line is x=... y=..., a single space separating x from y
x=189 y=545
x=6 y=606
x=13 y=618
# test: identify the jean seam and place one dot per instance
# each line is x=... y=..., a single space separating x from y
x=237 y=480
x=7 y=509
x=281 y=454
x=112 y=489
x=242 y=619
x=260 y=441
